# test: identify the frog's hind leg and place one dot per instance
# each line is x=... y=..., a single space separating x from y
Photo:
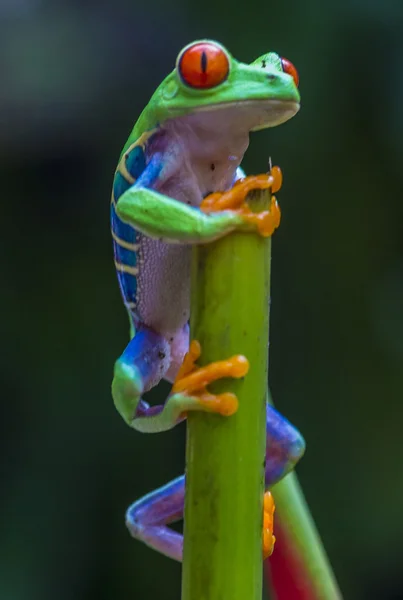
x=146 y=360
x=284 y=446
x=147 y=518
x=142 y=365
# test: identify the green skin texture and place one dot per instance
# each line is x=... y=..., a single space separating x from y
x=159 y=216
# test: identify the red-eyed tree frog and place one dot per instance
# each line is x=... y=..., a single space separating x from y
x=179 y=182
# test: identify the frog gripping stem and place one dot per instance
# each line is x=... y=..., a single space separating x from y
x=265 y=221
x=192 y=380
x=198 y=121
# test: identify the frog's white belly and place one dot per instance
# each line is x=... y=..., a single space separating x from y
x=163 y=285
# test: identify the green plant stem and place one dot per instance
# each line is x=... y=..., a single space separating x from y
x=225 y=455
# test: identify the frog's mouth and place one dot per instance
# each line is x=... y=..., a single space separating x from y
x=258 y=114
x=249 y=115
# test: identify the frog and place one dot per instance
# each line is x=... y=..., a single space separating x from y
x=179 y=182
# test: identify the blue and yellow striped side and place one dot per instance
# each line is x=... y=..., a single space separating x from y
x=125 y=248
x=125 y=237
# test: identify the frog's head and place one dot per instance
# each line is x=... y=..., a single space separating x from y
x=207 y=78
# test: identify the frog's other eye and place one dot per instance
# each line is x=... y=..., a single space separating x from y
x=203 y=65
x=289 y=68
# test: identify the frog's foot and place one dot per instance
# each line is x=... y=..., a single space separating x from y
x=192 y=382
x=189 y=392
x=234 y=199
x=268 y=538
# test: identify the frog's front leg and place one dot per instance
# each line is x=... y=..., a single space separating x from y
x=146 y=360
x=159 y=216
x=147 y=518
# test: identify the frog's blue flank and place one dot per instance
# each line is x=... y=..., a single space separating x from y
x=125 y=242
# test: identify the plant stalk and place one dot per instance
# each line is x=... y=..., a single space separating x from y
x=225 y=455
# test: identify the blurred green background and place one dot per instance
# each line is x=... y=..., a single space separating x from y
x=75 y=75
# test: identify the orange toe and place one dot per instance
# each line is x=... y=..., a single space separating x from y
x=277 y=176
x=224 y=404
x=268 y=539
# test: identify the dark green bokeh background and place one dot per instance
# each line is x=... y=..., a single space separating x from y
x=74 y=77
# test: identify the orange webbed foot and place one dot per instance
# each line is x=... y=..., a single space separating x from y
x=265 y=221
x=193 y=380
x=268 y=539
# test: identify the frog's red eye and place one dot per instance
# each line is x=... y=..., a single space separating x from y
x=203 y=65
x=289 y=68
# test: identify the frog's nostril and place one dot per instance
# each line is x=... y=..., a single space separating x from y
x=271 y=77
